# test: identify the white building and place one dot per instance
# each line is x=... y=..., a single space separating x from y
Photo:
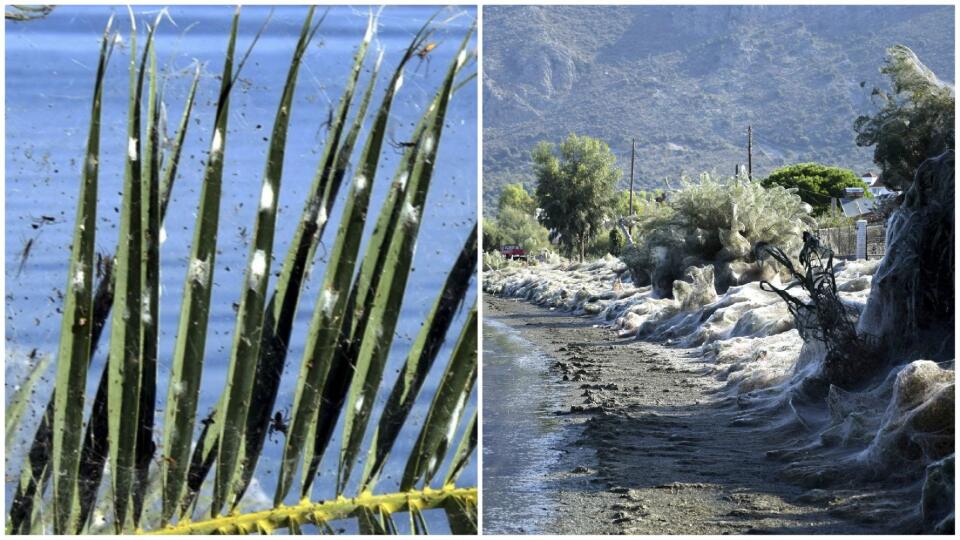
x=875 y=185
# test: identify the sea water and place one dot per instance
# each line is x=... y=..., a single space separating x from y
x=521 y=433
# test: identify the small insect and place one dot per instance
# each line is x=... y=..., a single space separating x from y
x=400 y=145
x=329 y=122
x=208 y=421
x=278 y=424
x=33 y=354
x=166 y=459
x=24 y=255
x=42 y=220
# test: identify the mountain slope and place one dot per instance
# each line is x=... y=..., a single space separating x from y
x=687 y=80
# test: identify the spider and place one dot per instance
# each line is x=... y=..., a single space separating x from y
x=278 y=424
x=424 y=54
x=25 y=254
x=399 y=146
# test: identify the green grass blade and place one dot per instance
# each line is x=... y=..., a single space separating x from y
x=419 y=360
x=445 y=410
x=73 y=356
x=150 y=276
x=170 y=169
x=125 y=363
x=282 y=307
x=462 y=515
x=370 y=521
x=200 y=463
x=341 y=161
x=342 y=368
x=35 y=470
x=325 y=326
x=366 y=282
x=34 y=473
x=468 y=443
x=419 y=523
x=96 y=450
x=22 y=397
x=343 y=158
x=249 y=327
x=187 y=365
x=378 y=333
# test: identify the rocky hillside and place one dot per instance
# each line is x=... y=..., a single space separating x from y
x=687 y=80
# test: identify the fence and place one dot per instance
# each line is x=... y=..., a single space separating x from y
x=843 y=241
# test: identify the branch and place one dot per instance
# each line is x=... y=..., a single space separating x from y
x=307 y=512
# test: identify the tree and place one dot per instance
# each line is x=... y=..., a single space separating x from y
x=913 y=123
x=514 y=226
x=575 y=188
x=516 y=196
x=516 y=222
x=491 y=235
x=816 y=184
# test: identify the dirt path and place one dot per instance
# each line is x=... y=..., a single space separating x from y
x=650 y=446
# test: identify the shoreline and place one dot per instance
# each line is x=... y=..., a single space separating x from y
x=649 y=447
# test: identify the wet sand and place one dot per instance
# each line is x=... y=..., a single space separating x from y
x=648 y=446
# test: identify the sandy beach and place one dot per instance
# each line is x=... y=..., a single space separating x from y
x=648 y=446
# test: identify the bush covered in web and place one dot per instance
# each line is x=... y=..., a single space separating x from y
x=718 y=221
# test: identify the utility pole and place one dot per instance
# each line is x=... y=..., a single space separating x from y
x=633 y=150
x=750 y=152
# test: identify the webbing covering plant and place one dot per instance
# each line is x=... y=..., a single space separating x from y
x=824 y=318
x=145 y=194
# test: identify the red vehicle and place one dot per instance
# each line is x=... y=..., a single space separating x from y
x=513 y=251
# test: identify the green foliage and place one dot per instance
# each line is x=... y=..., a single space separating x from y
x=515 y=222
x=913 y=123
x=513 y=226
x=616 y=242
x=715 y=221
x=122 y=414
x=76 y=330
x=816 y=184
x=643 y=202
x=515 y=196
x=575 y=188
x=491 y=235
x=187 y=365
x=826 y=221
